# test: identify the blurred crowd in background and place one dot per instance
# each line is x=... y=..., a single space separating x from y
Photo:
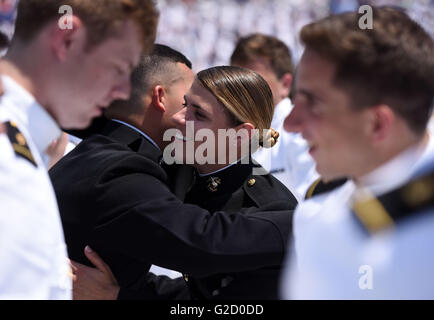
x=207 y=30
x=7 y=16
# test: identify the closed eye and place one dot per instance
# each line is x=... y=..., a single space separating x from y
x=120 y=69
x=199 y=116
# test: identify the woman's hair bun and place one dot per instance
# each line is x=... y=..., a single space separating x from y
x=270 y=139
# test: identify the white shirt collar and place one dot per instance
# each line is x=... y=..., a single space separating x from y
x=141 y=132
x=281 y=111
x=431 y=125
x=398 y=170
x=41 y=127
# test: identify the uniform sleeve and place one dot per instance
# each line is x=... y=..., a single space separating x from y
x=24 y=265
x=155 y=227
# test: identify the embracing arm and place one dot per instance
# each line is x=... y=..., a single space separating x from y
x=168 y=233
x=99 y=283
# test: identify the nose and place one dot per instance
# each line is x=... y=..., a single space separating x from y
x=122 y=91
x=180 y=117
x=294 y=121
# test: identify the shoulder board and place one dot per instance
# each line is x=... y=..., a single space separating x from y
x=320 y=187
x=19 y=143
x=263 y=189
x=415 y=197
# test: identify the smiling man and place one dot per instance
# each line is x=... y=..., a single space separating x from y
x=52 y=78
x=363 y=100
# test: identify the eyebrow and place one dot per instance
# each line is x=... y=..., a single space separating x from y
x=308 y=94
x=304 y=92
x=127 y=66
x=196 y=106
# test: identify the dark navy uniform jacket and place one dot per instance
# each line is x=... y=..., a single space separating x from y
x=113 y=195
x=231 y=190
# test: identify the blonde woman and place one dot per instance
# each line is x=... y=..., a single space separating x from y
x=240 y=100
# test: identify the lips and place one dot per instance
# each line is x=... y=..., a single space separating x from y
x=312 y=147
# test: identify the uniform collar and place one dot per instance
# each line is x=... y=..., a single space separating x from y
x=133 y=139
x=224 y=181
x=202 y=175
x=138 y=131
x=30 y=115
x=398 y=170
x=281 y=111
x=431 y=125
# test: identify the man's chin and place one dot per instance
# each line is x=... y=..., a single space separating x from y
x=76 y=125
x=328 y=175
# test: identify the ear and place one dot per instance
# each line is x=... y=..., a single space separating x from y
x=382 y=121
x=159 y=98
x=63 y=41
x=286 y=84
x=246 y=130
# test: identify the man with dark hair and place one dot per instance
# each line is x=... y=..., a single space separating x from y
x=288 y=160
x=114 y=196
x=56 y=75
x=363 y=99
x=164 y=66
